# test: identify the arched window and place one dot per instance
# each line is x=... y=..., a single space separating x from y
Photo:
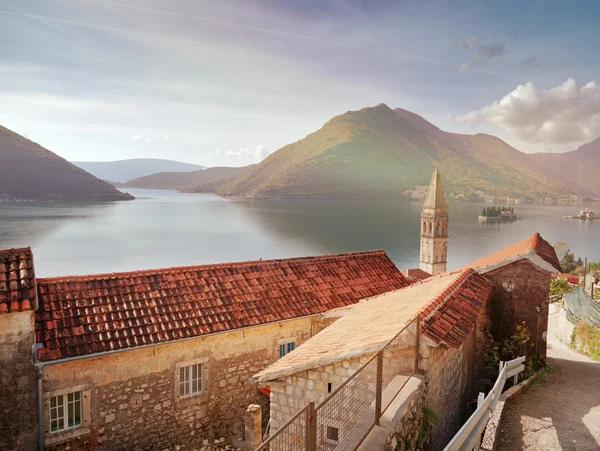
x=430 y=227
x=423 y=229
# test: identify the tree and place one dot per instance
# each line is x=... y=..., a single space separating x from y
x=483 y=213
x=568 y=261
x=559 y=286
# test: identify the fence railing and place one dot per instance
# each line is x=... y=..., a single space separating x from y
x=469 y=436
x=346 y=416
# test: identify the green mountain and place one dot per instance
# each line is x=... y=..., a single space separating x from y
x=578 y=169
x=30 y=172
x=381 y=153
x=204 y=180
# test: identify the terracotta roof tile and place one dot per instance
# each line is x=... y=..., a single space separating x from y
x=82 y=315
x=451 y=316
x=17 y=280
x=533 y=244
x=415 y=274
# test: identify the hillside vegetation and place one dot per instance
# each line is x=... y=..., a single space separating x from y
x=578 y=169
x=30 y=172
x=380 y=153
x=204 y=180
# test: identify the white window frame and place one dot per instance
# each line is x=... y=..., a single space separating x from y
x=63 y=408
x=286 y=343
x=188 y=365
x=75 y=430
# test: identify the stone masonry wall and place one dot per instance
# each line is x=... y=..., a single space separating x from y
x=18 y=383
x=134 y=394
x=519 y=288
x=448 y=390
x=294 y=392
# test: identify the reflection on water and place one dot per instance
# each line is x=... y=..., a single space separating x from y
x=163 y=228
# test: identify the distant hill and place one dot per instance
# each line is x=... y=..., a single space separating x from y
x=578 y=169
x=204 y=180
x=380 y=153
x=124 y=170
x=30 y=172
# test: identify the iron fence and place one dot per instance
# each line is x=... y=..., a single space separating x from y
x=292 y=436
x=346 y=416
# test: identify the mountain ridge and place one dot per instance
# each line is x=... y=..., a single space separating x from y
x=121 y=171
x=31 y=172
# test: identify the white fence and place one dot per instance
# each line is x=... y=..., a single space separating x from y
x=469 y=436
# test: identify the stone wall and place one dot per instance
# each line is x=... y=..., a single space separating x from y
x=134 y=402
x=565 y=328
x=292 y=393
x=18 y=383
x=449 y=380
x=519 y=288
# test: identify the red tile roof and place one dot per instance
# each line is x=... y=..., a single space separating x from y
x=572 y=279
x=533 y=244
x=83 y=315
x=415 y=274
x=451 y=316
x=17 y=280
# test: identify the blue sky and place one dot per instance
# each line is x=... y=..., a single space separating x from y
x=225 y=83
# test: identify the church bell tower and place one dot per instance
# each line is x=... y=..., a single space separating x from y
x=434 y=228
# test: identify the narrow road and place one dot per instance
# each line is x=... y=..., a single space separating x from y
x=562 y=413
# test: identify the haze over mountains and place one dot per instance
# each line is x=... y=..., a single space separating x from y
x=373 y=153
x=30 y=172
x=124 y=170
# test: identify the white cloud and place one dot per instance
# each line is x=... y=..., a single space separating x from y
x=244 y=154
x=482 y=53
x=568 y=113
x=151 y=139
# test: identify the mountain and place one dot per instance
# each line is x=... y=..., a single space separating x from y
x=578 y=169
x=124 y=170
x=196 y=181
x=30 y=172
x=378 y=152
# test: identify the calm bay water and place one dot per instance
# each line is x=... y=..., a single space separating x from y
x=165 y=228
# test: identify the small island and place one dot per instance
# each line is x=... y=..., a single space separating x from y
x=585 y=214
x=494 y=213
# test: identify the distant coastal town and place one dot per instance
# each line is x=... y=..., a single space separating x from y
x=585 y=215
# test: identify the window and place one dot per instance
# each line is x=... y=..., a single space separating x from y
x=286 y=348
x=190 y=380
x=329 y=387
x=65 y=411
x=333 y=434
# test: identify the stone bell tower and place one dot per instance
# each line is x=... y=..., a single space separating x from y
x=434 y=228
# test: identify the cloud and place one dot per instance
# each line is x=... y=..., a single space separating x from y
x=532 y=61
x=150 y=139
x=568 y=113
x=244 y=154
x=481 y=53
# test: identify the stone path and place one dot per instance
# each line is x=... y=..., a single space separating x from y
x=562 y=413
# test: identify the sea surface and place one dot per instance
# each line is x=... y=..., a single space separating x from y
x=165 y=228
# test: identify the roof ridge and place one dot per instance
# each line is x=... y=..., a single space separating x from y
x=429 y=309
x=167 y=270
x=14 y=250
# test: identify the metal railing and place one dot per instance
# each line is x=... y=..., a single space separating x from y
x=469 y=436
x=346 y=416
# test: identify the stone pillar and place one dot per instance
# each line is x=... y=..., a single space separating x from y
x=253 y=427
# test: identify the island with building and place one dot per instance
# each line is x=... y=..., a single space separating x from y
x=495 y=213
x=585 y=214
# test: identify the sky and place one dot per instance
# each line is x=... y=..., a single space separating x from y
x=228 y=82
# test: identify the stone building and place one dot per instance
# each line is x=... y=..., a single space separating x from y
x=434 y=228
x=521 y=274
x=456 y=311
x=447 y=308
x=158 y=358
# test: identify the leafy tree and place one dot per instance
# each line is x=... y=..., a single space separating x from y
x=568 y=261
x=559 y=286
x=483 y=213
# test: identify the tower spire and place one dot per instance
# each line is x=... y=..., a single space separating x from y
x=434 y=227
